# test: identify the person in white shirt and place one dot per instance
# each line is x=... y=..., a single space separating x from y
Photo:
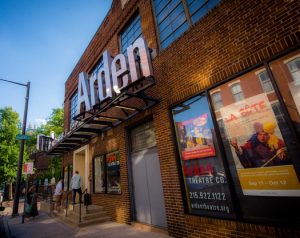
x=76 y=186
x=58 y=194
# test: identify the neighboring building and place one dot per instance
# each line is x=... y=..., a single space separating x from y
x=203 y=138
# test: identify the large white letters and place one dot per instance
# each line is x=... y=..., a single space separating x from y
x=83 y=89
x=114 y=75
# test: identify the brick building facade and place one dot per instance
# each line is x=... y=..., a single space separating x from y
x=221 y=59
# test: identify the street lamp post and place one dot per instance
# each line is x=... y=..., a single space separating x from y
x=21 y=154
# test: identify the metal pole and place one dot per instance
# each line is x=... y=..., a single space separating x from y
x=21 y=154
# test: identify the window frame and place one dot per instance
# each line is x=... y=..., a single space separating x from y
x=73 y=109
x=136 y=15
x=292 y=60
x=266 y=82
x=232 y=86
x=106 y=173
x=187 y=15
x=285 y=114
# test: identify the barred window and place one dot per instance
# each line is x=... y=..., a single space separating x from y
x=199 y=8
x=131 y=32
x=73 y=109
x=173 y=19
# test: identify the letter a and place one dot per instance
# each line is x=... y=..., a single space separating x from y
x=83 y=96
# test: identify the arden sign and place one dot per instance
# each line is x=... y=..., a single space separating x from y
x=114 y=75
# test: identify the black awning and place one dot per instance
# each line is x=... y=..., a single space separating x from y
x=131 y=101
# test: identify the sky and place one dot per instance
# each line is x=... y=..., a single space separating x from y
x=40 y=42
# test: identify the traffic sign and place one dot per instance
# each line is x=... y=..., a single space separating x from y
x=22 y=137
x=28 y=168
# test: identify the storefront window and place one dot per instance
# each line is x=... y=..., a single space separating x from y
x=99 y=174
x=113 y=172
x=106 y=170
x=205 y=180
x=259 y=147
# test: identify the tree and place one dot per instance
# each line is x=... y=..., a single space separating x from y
x=9 y=146
x=55 y=122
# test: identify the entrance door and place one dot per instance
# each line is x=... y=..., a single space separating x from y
x=147 y=186
x=80 y=164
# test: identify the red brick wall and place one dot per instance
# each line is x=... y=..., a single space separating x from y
x=233 y=37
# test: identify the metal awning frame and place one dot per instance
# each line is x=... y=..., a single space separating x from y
x=92 y=123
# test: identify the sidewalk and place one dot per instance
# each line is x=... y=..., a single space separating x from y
x=44 y=226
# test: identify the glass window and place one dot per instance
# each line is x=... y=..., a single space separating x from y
x=237 y=92
x=113 y=172
x=171 y=20
x=217 y=100
x=294 y=68
x=73 y=109
x=131 y=32
x=106 y=173
x=286 y=71
x=265 y=81
x=199 y=8
x=98 y=66
x=205 y=180
x=99 y=174
x=259 y=147
x=143 y=137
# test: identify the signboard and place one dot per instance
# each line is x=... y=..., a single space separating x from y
x=113 y=172
x=22 y=137
x=263 y=165
x=114 y=75
x=206 y=185
x=196 y=141
x=28 y=168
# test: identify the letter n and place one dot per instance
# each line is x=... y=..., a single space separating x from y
x=145 y=67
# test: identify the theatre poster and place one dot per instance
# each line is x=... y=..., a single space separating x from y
x=258 y=148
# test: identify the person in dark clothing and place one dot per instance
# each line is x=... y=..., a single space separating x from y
x=31 y=203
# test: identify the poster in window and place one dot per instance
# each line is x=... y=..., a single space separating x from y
x=196 y=138
x=99 y=174
x=205 y=181
x=113 y=172
x=263 y=164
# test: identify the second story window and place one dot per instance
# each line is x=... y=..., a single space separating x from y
x=265 y=82
x=217 y=100
x=174 y=17
x=73 y=109
x=171 y=20
x=237 y=92
x=294 y=68
x=130 y=33
x=199 y=8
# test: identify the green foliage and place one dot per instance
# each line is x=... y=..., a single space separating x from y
x=9 y=146
x=55 y=122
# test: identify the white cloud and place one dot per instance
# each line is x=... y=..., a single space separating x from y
x=40 y=121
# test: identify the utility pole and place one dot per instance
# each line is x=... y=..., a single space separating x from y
x=21 y=154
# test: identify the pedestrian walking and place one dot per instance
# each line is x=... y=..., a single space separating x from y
x=76 y=186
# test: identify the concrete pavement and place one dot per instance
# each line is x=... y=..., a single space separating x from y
x=44 y=226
